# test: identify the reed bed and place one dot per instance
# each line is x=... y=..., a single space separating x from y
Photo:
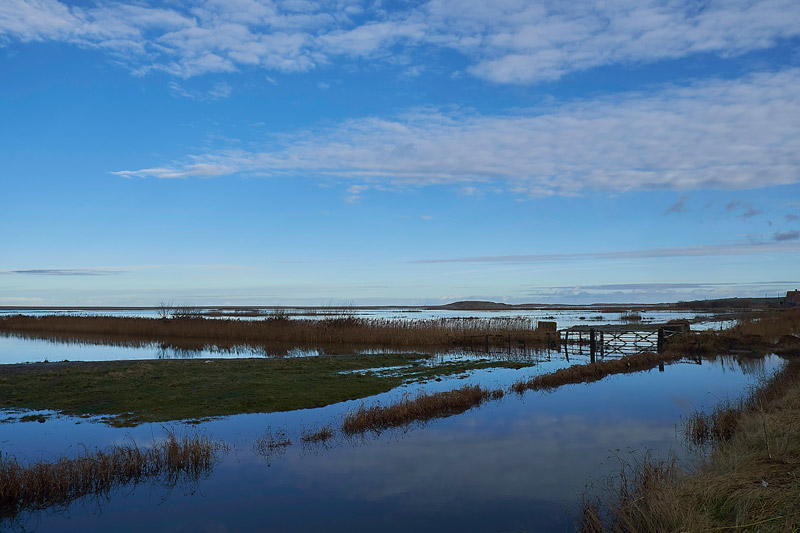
x=770 y=326
x=590 y=372
x=39 y=485
x=280 y=329
x=424 y=406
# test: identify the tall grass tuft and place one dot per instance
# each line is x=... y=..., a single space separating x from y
x=424 y=406
x=38 y=485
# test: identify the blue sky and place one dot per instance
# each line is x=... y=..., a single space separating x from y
x=296 y=152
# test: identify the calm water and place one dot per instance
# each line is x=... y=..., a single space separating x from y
x=515 y=464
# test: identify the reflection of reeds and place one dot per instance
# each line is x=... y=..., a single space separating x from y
x=589 y=372
x=272 y=444
x=196 y=331
x=43 y=484
x=424 y=406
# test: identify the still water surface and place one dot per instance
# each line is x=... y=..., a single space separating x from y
x=515 y=464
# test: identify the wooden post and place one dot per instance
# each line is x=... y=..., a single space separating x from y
x=660 y=345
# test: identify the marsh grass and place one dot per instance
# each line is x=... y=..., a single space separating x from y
x=39 y=485
x=197 y=331
x=749 y=479
x=272 y=443
x=589 y=372
x=320 y=435
x=128 y=393
x=422 y=407
x=771 y=326
x=721 y=423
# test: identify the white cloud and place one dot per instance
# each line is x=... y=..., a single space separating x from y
x=219 y=91
x=713 y=135
x=196 y=170
x=505 y=41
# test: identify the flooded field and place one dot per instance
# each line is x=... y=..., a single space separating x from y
x=518 y=463
x=563 y=317
x=35 y=347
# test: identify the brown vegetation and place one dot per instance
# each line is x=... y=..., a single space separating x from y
x=722 y=422
x=590 y=372
x=271 y=444
x=44 y=484
x=198 y=331
x=750 y=481
x=318 y=436
x=424 y=406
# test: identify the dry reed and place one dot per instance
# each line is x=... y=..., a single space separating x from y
x=424 y=406
x=722 y=422
x=747 y=482
x=38 y=485
x=590 y=372
x=271 y=444
x=317 y=436
x=198 y=331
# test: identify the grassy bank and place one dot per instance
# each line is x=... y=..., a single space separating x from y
x=196 y=332
x=132 y=392
x=750 y=481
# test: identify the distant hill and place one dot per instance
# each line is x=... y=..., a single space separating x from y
x=721 y=303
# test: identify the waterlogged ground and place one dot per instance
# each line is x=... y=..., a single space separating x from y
x=515 y=464
x=563 y=317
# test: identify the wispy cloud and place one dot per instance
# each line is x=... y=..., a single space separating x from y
x=505 y=41
x=782 y=236
x=657 y=292
x=64 y=272
x=672 y=286
x=712 y=135
x=195 y=170
x=792 y=218
x=678 y=207
x=651 y=253
x=219 y=91
x=750 y=212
